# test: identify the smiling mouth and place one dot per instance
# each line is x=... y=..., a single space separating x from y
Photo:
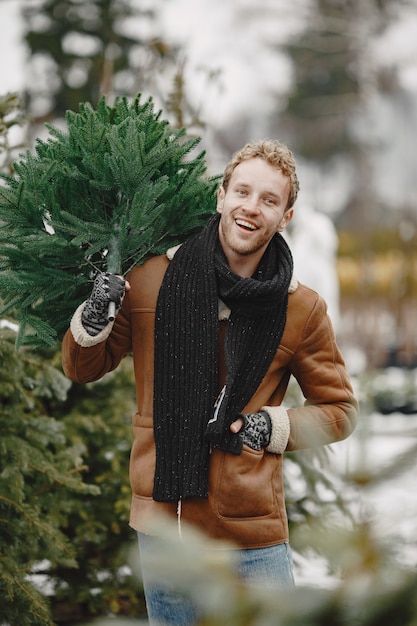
x=246 y=225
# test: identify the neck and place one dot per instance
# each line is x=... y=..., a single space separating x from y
x=243 y=265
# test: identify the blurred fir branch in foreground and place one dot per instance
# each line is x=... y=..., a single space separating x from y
x=374 y=589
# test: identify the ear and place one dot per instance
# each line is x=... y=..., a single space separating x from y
x=286 y=219
x=220 y=199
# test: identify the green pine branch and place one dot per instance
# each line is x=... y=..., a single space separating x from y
x=118 y=186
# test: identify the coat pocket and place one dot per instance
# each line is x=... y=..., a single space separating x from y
x=143 y=455
x=246 y=484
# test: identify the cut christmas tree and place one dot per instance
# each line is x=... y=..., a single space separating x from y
x=118 y=186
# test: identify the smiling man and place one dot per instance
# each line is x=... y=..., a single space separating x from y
x=216 y=328
x=253 y=204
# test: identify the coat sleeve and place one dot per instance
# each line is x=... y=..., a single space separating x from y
x=330 y=411
x=86 y=359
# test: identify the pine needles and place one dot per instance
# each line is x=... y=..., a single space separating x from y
x=117 y=187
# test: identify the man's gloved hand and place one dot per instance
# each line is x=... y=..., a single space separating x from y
x=107 y=288
x=256 y=430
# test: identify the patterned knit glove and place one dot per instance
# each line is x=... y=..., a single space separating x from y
x=257 y=428
x=107 y=288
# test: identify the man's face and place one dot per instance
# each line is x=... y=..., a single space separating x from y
x=252 y=211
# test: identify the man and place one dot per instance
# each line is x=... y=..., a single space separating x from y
x=216 y=328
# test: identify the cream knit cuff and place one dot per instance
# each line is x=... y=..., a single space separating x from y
x=280 y=429
x=81 y=336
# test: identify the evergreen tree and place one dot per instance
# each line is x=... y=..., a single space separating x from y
x=330 y=110
x=325 y=87
x=11 y=114
x=97 y=417
x=39 y=470
x=118 y=186
x=82 y=50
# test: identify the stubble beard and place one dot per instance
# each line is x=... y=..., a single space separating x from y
x=241 y=247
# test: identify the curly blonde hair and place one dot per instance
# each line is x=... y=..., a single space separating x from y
x=275 y=153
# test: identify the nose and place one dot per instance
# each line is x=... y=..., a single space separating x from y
x=251 y=204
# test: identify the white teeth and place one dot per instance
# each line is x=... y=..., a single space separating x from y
x=245 y=224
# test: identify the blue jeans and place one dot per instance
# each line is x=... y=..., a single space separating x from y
x=267 y=567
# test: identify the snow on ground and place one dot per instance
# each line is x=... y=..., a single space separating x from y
x=390 y=506
x=378 y=444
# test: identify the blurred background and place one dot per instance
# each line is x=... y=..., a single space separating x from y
x=334 y=79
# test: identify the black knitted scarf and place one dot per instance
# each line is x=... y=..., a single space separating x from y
x=187 y=352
